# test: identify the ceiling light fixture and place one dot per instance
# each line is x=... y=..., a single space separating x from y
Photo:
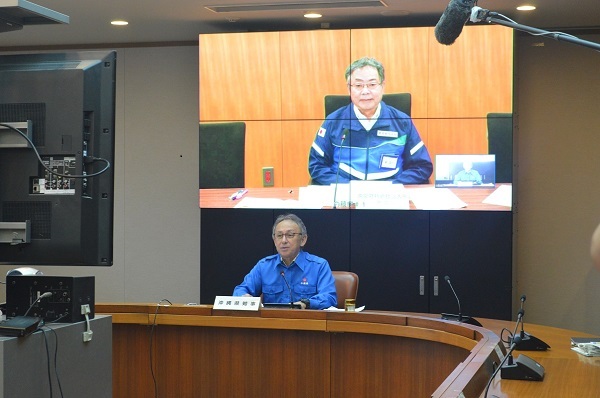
x=526 y=8
x=312 y=14
x=119 y=22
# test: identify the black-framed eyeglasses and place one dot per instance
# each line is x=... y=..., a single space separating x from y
x=361 y=86
x=289 y=235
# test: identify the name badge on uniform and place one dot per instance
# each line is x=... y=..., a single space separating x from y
x=389 y=134
x=388 y=161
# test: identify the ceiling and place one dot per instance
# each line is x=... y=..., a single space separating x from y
x=154 y=21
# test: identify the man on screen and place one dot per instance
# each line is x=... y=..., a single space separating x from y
x=291 y=275
x=468 y=175
x=367 y=139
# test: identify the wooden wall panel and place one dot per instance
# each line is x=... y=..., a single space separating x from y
x=403 y=53
x=457 y=136
x=297 y=137
x=312 y=65
x=473 y=76
x=237 y=80
x=263 y=149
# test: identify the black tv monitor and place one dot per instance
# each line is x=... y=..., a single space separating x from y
x=56 y=190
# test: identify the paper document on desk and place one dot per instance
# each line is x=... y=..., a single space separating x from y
x=589 y=347
x=502 y=196
x=336 y=309
x=267 y=203
x=315 y=196
x=370 y=195
x=435 y=199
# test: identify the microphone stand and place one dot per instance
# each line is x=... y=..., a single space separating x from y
x=337 y=174
x=481 y=14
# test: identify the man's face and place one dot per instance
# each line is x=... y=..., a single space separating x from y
x=366 y=99
x=288 y=247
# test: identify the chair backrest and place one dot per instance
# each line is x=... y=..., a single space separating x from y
x=346 y=286
x=222 y=148
x=500 y=143
x=400 y=101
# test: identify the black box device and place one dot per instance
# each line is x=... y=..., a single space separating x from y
x=68 y=294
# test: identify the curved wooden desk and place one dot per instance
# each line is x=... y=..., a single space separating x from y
x=201 y=352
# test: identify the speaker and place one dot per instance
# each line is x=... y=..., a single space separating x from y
x=523 y=368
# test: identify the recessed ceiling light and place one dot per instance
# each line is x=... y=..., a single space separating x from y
x=312 y=14
x=119 y=22
x=526 y=8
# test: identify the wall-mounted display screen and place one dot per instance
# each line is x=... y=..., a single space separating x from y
x=353 y=118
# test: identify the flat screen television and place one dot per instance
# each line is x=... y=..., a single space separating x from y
x=56 y=187
x=277 y=86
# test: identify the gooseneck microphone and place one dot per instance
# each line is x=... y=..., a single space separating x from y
x=337 y=174
x=459 y=317
x=447 y=279
x=451 y=23
x=289 y=288
x=516 y=341
x=520 y=315
x=529 y=342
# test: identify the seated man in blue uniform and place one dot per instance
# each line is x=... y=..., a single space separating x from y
x=367 y=139
x=292 y=275
x=468 y=175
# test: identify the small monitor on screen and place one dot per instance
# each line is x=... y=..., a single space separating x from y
x=465 y=171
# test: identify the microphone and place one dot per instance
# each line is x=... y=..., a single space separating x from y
x=529 y=342
x=479 y=14
x=289 y=288
x=451 y=23
x=337 y=174
x=459 y=317
x=516 y=341
x=47 y=294
x=520 y=315
x=447 y=279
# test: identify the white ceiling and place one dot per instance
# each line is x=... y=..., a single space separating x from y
x=153 y=21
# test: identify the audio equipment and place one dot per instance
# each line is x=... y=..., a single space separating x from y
x=64 y=303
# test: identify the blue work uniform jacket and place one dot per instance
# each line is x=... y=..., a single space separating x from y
x=391 y=150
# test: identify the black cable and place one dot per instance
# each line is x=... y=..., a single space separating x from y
x=150 y=346
x=56 y=319
x=87 y=159
x=48 y=362
x=56 y=362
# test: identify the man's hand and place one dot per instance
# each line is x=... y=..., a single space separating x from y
x=301 y=304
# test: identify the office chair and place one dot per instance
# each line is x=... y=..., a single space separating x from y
x=346 y=286
x=400 y=101
x=500 y=143
x=222 y=148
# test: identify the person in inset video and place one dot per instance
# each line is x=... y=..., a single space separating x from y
x=468 y=175
x=368 y=139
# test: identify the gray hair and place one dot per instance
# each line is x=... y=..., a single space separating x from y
x=361 y=63
x=293 y=218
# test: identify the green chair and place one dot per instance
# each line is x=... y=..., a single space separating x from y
x=222 y=148
x=400 y=101
x=500 y=143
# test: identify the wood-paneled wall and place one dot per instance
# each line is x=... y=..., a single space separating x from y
x=276 y=82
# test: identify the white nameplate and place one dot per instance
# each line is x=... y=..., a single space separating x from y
x=237 y=303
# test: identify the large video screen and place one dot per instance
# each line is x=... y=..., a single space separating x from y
x=282 y=126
